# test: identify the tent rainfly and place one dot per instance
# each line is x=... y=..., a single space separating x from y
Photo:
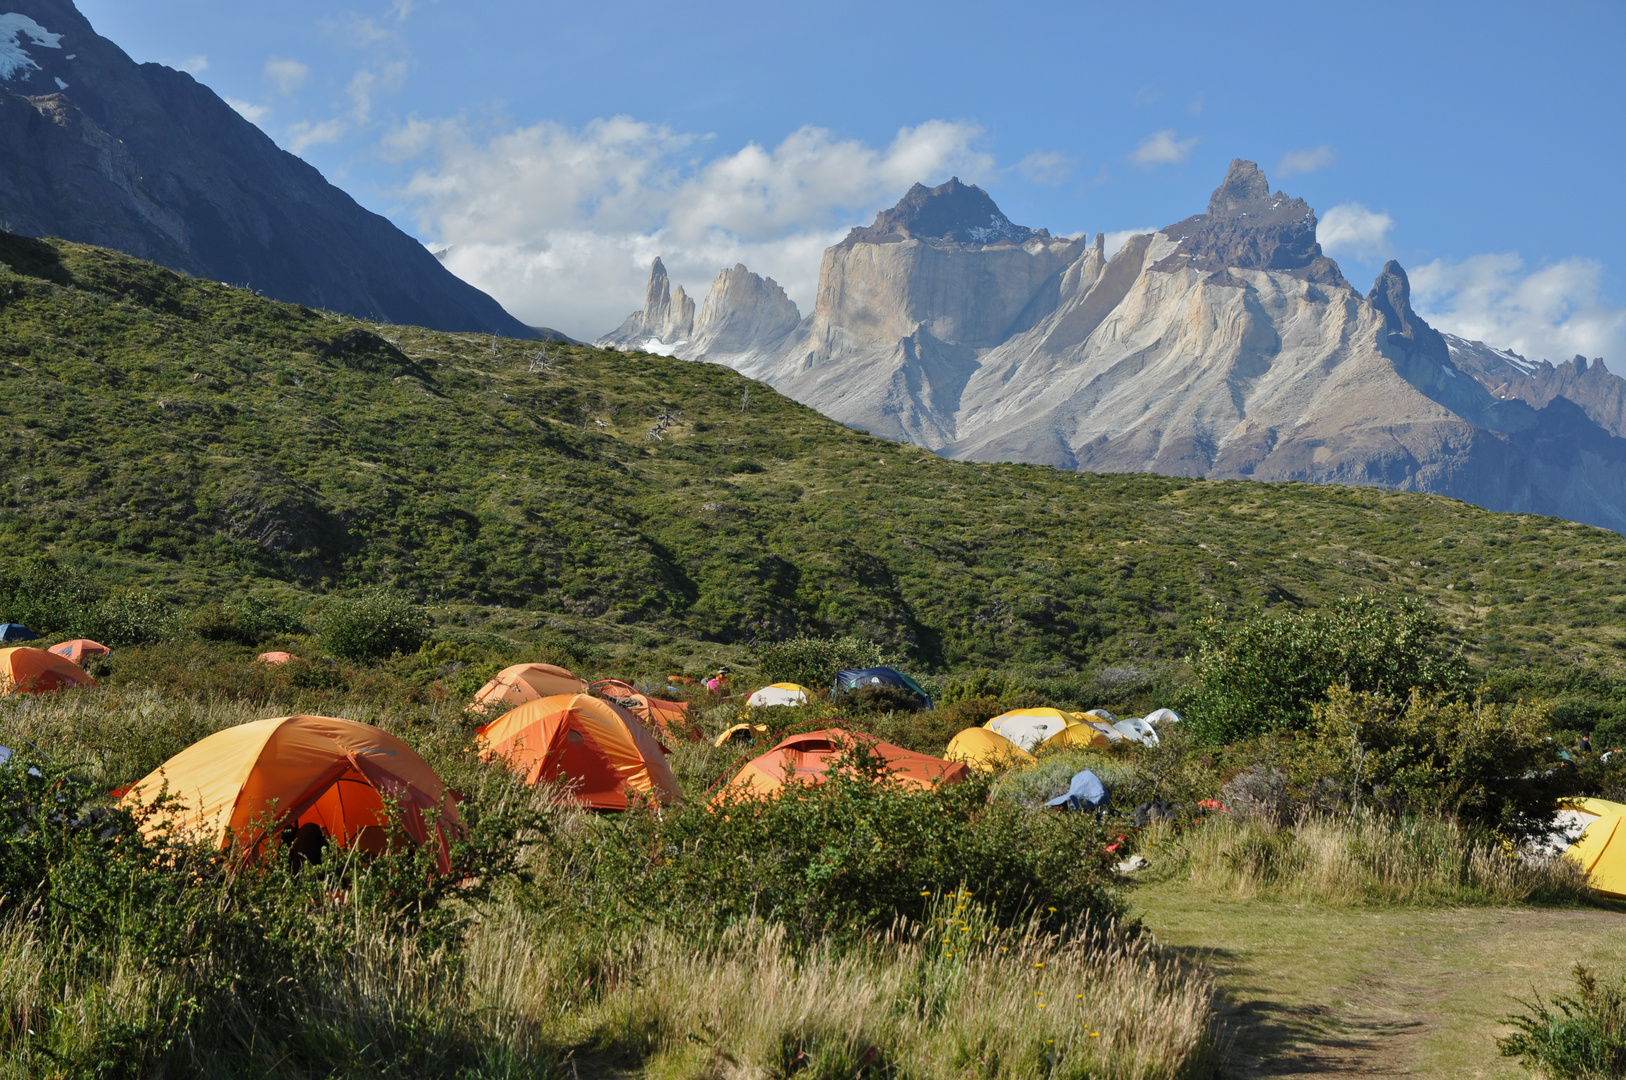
x=242 y=785
x=780 y=693
x=522 y=683
x=670 y=718
x=79 y=648
x=26 y=670
x=595 y=747
x=848 y=681
x=809 y=757
x=986 y=751
x=1601 y=847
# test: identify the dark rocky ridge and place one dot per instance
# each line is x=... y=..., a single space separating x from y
x=142 y=158
x=1248 y=228
x=952 y=212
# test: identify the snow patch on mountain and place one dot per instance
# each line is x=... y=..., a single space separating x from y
x=13 y=57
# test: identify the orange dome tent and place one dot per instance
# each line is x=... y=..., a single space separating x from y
x=34 y=671
x=275 y=658
x=807 y=759
x=237 y=784
x=670 y=718
x=592 y=744
x=79 y=648
x=527 y=682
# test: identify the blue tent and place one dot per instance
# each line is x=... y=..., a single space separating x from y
x=847 y=681
x=16 y=631
x=1087 y=792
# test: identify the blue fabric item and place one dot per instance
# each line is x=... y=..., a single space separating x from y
x=880 y=676
x=1086 y=793
x=16 y=631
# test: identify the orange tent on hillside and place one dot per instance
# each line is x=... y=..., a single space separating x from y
x=34 y=671
x=527 y=682
x=240 y=784
x=596 y=746
x=274 y=658
x=670 y=718
x=79 y=648
x=807 y=759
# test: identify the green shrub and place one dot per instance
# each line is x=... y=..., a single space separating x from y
x=1483 y=763
x=373 y=626
x=850 y=855
x=1266 y=672
x=814 y=662
x=1575 y=1038
x=58 y=602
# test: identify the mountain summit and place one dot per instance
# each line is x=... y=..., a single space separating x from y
x=1227 y=345
x=97 y=148
x=952 y=212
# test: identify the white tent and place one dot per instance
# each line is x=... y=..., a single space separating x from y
x=778 y=694
x=1138 y=731
x=1029 y=728
x=1162 y=716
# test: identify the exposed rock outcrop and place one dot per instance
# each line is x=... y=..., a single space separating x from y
x=1227 y=345
x=744 y=315
x=663 y=325
x=139 y=157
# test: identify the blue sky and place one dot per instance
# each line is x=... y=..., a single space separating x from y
x=556 y=148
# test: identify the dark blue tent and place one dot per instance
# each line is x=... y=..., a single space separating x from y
x=847 y=681
x=16 y=631
x=1087 y=792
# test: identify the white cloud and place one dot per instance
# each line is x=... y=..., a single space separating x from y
x=1352 y=229
x=304 y=135
x=1161 y=148
x=194 y=65
x=366 y=84
x=1295 y=162
x=286 y=75
x=1045 y=167
x=248 y=110
x=1551 y=313
x=1116 y=240
x=560 y=224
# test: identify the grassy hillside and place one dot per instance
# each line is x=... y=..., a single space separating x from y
x=202 y=441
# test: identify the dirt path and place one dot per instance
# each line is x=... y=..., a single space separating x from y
x=1416 y=992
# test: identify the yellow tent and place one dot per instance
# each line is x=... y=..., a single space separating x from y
x=596 y=746
x=780 y=693
x=1601 y=848
x=1028 y=728
x=740 y=733
x=240 y=784
x=1076 y=735
x=985 y=751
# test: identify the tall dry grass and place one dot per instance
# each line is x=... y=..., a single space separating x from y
x=1364 y=859
x=921 y=1001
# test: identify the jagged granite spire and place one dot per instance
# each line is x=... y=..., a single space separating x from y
x=1248 y=228
x=1391 y=295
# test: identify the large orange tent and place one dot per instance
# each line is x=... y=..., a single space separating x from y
x=34 y=671
x=670 y=718
x=240 y=784
x=597 y=747
x=527 y=682
x=79 y=648
x=808 y=758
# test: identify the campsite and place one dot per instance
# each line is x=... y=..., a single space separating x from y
x=449 y=723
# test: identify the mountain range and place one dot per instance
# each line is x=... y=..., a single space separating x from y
x=142 y=158
x=1226 y=345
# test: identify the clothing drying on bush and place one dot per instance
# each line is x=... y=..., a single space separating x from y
x=527 y=682
x=245 y=784
x=25 y=670
x=1086 y=792
x=809 y=758
x=596 y=748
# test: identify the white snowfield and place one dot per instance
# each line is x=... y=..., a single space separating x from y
x=13 y=57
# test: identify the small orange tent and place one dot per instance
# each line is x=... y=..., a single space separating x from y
x=592 y=744
x=807 y=759
x=527 y=682
x=237 y=784
x=79 y=648
x=670 y=718
x=274 y=658
x=34 y=671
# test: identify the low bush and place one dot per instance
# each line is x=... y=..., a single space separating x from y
x=1265 y=673
x=1574 y=1038
x=814 y=661
x=373 y=626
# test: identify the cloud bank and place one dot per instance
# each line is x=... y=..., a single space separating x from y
x=1553 y=312
x=560 y=224
x=1352 y=229
x=1162 y=148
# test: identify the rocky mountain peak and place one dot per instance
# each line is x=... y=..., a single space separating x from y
x=953 y=212
x=1248 y=228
